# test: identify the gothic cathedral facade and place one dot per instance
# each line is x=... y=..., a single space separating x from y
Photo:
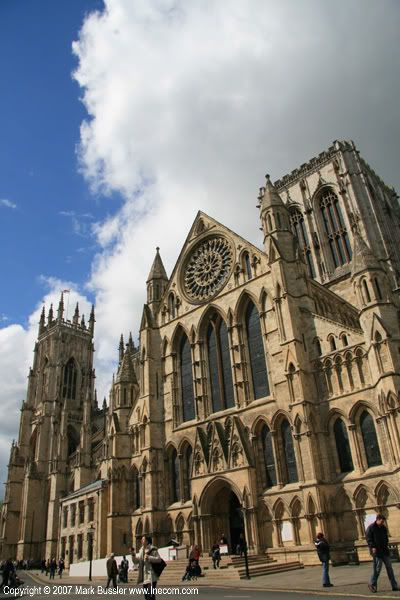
x=263 y=396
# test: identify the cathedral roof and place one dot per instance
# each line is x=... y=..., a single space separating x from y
x=126 y=372
x=157 y=270
x=363 y=257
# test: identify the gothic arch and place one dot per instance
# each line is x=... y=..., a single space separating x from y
x=258 y=424
x=385 y=494
x=165 y=347
x=220 y=480
x=245 y=297
x=361 y=497
x=204 y=320
x=357 y=409
x=177 y=334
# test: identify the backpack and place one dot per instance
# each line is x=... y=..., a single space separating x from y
x=158 y=568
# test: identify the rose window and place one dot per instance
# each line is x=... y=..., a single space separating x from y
x=208 y=268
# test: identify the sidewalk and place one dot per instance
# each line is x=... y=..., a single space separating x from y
x=347 y=580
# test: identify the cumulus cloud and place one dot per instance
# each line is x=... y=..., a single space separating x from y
x=190 y=103
x=7 y=203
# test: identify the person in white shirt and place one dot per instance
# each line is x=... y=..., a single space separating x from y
x=148 y=555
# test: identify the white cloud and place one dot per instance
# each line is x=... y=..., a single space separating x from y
x=7 y=203
x=190 y=103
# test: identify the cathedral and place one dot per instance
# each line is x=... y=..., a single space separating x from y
x=263 y=396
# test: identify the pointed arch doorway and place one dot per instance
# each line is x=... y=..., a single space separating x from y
x=221 y=514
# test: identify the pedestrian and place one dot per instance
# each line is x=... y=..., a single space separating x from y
x=112 y=571
x=215 y=555
x=378 y=542
x=150 y=567
x=53 y=568
x=8 y=569
x=61 y=567
x=323 y=549
x=241 y=545
x=43 y=566
x=47 y=567
x=123 y=570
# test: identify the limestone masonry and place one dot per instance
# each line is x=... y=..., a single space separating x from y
x=264 y=393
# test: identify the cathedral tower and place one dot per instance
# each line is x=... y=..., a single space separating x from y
x=52 y=455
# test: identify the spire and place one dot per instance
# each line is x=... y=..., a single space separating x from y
x=269 y=196
x=131 y=345
x=363 y=257
x=92 y=320
x=83 y=324
x=75 y=319
x=42 y=322
x=157 y=270
x=126 y=372
x=60 y=310
x=121 y=348
x=50 y=316
x=104 y=403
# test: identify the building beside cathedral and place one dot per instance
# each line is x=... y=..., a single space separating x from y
x=264 y=393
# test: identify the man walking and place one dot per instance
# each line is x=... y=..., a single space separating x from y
x=112 y=571
x=378 y=542
x=323 y=552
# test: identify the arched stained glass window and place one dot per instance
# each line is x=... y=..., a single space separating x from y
x=69 y=382
x=288 y=453
x=256 y=353
x=300 y=231
x=188 y=412
x=219 y=365
x=343 y=447
x=371 y=446
x=135 y=491
x=268 y=455
x=335 y=230
x=175 y=477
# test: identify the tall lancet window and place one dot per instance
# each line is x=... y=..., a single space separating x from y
x=289 y=456
x=187 y=393
x=335 y=229
x=371 y=445
x=256 y=352
x=268 y=455
x=300 y=231
x=69 y=381
x=219 y=365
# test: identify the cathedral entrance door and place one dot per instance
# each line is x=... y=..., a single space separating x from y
x=224 y=518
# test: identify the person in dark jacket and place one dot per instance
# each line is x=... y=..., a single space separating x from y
x=112 y=571
x=323 y=552
x=378 y=542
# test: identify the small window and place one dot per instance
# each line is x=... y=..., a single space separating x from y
x=377 y=289
x=332 y=343
x=344 y=340
x=367 y=296
x=318 y=348
x=343 y=447
x=247 y=266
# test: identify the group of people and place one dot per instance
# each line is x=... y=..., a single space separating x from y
x=10 y=577
x=114 y=571
x=377 y=539
x=51 y=567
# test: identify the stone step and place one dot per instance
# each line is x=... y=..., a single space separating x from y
x=268 y=569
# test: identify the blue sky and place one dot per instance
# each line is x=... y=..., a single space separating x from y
x=40 y=119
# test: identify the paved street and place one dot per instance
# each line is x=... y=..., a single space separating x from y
x=349 y=582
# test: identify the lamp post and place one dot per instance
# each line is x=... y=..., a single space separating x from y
x=246 y=559
x=90 y=533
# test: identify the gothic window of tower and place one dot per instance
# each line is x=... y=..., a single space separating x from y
x=69 y=380
x=370 y=440
x=171 y=305
x=268 y=456
x=334 y=228
x=174 y=476
x=187 y=454
x=186 y=379
x=288 y=454
x=256 y=354
x=300 y=230
x=343 y=446
x=219 y=365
